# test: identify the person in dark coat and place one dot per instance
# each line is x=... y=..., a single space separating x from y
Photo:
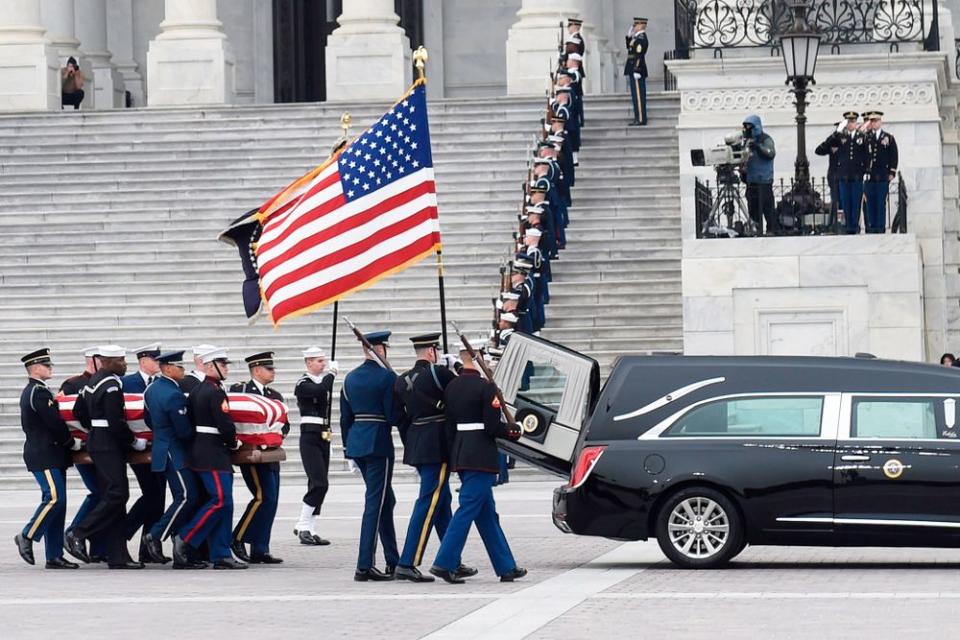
x=46 y=452
x=636 y=69
x=882 y=166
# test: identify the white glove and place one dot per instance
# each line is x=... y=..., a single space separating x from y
x=333 y=367
x=449 y=360
x=236 y=445
x=77 y=443
x=841 y=126
x=354 y=468
x=139 y=444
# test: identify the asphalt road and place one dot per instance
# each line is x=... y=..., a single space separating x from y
x=577 y=588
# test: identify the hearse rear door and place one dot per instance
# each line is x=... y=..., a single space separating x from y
x=551 y=391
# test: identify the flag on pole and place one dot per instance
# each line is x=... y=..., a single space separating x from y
x=368 y=212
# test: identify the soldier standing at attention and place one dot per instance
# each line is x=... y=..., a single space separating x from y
x=314 y=391
x=636 y=69
x=882 y=163
x=473 y=413
x=46 y=453
x=263 y=480
x=209 y=457
x=110 y=439
x=367 y=415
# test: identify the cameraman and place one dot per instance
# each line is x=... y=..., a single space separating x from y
x=758 y=174
x=71 y=79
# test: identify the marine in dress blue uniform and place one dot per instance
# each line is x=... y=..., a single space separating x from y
x=474 y=423
x=636 y=69
x=148 y=508
x=209 y=457
x=172 y=435
x=46 y=452
x=883 y=161
x=263 y=480
x=368 y=413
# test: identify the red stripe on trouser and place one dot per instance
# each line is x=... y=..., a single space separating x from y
x=211 y=510
x=355 y=279
x=351 y=251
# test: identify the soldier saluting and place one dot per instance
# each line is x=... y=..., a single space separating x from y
x=46 y=453
x=636 y=69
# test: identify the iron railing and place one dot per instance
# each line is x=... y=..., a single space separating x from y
x=721 y=24
x=828 y=222
x=669 y=80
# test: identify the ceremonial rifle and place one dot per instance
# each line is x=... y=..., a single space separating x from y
x=512 y=425
x=381 y=360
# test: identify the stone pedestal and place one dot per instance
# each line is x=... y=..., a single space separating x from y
x=190 y=62
x=91 y=28
x=532 y=44
x=29 y=72
x=368 y=56
x=120 y=42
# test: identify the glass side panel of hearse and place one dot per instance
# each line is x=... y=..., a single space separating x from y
x=551 y=390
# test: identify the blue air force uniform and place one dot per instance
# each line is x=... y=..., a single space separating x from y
x=473 y=422
x=46 y=453
x=882 y=163
x=420 y=393
x=172 y=434
x=367 y=415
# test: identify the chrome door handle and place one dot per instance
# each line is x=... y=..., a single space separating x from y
x=854 y=458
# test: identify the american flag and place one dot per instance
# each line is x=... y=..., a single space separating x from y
x=368 y=212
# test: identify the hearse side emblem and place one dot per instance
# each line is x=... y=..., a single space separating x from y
x=893 y=468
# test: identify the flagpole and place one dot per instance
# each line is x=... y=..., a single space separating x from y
x=345 y=120
x=420 y=58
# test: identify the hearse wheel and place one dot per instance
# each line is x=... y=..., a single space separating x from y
x=699 y=528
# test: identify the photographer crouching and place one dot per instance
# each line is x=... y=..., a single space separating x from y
x=757 y=172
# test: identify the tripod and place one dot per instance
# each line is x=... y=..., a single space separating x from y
x=730 y=205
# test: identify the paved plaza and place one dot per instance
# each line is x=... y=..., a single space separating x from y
x=577 y=588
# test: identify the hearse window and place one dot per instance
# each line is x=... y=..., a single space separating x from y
x=894 y=418
x=752 y=417
x=543 y=384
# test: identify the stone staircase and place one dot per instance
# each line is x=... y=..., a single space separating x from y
x=109 y=224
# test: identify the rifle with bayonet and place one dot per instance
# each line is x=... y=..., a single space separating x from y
x=512 y=427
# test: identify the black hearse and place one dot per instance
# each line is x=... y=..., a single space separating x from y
x=710 y=454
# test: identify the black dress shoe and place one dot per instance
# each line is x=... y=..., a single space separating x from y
x=463 y=571
x=446 y=575
x=191 y=565
x=320 y=542
x=308 y=538
x=239 y=550
x=263 y=558
x=151 y=550
x=25 y=547
x=411 y=574
x=372 y=575
x=61 y=563
x=514 y=574
x=77 y=547
x=390 y=570
x=181 y=553
x=635 y=123
x=97 y=559
x=129 y=564
x=229 y=563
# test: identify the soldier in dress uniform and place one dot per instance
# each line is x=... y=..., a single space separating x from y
x=314 y=392
x=473 y=413
x=209 y=457
x=72 y=386
x=110 y=440
x=882 y=162
x=831 y=149
x=420 y=393
x=263 y=480
x=368 y=412
x=851 y=166
x=46 y=453
x=574 y=45
x=636 y=69
x=195 y=377
x=148 y=508
x=172 y=434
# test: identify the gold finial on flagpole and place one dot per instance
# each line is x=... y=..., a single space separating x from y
x=345 y=120
x=420 y=58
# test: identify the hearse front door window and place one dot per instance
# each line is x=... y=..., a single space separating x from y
x=894 y=419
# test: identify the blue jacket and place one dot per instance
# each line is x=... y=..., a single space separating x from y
x=172 y=429
x=133 y=383
x=762 y=152
x=368 y=412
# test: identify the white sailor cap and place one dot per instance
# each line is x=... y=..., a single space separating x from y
x=533 y=232
x=111 y=351
x=313 y=352
x=151 y=350
x=574 y=56
x=201 y=349
x=507 y=295
x=89 y=352
x=216 y=353
x=509 y=317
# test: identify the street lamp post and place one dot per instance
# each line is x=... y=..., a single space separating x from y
x=800 y=47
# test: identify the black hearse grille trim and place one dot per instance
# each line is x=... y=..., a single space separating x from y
x=670 y=397
x=877 y=521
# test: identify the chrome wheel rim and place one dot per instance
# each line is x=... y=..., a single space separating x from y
x=698 y=528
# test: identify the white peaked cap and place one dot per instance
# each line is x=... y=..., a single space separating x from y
x=313 y=352
x=574 y=56
x=111 y=351
x=533 y=232
x=509 y=317
x=201 y=349
x=216 y=353
x=89 y=352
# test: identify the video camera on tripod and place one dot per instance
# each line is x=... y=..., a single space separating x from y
x=729 y=159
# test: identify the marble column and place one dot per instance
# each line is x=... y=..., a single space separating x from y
x=368 y=56
x=91 y=29
x=190 y=61
x=29 y=71
x=532 y=44
x=120 y=42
